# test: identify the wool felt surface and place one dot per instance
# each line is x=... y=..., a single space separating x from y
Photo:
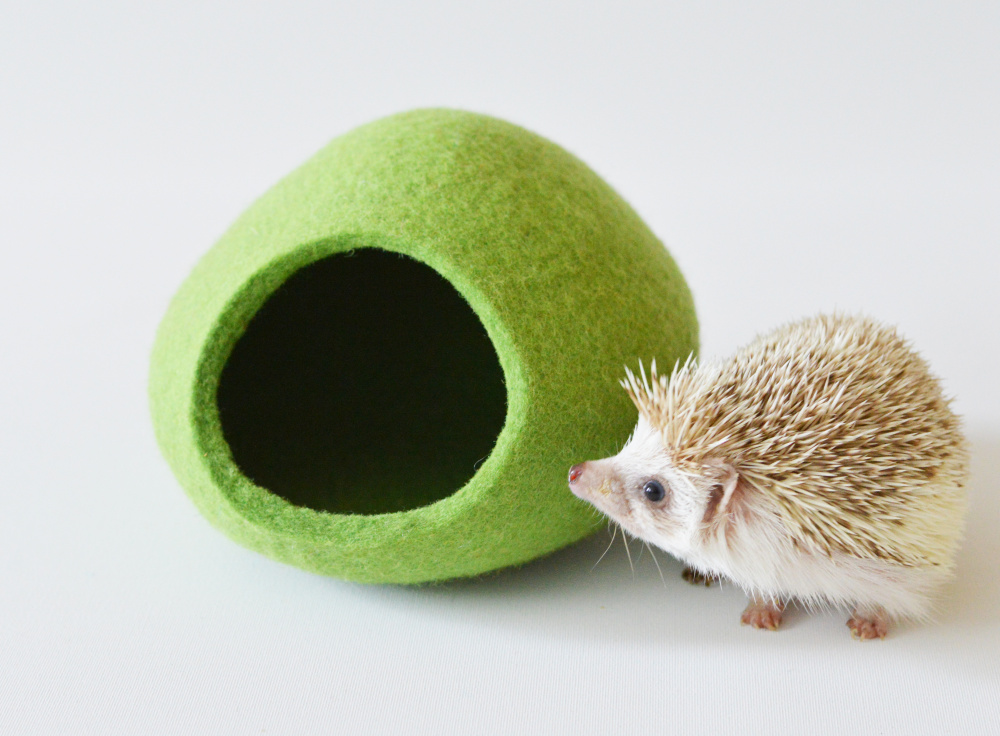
x=385 y=367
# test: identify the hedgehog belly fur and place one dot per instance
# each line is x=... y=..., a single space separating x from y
x=763 y=560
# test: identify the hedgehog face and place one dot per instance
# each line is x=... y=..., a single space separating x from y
x=642 y=490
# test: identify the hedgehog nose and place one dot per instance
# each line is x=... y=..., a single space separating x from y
x=575 y=472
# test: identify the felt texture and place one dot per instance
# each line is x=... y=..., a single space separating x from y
x=386 y=366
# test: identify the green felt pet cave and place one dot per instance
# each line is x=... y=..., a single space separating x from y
x=385 y=368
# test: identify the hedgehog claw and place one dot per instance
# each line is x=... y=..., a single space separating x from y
x=697 y=578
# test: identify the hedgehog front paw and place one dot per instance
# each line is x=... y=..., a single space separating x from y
x=868 y=624
x=763 y=614
x=697 y=578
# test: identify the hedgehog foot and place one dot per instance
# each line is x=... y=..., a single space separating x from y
x=868 y=623
x=763 y=614
x=696 y=578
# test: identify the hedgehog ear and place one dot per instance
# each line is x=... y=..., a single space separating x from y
x=724 y=493
x=728 y=482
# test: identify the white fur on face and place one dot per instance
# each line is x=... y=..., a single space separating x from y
x=669 y=524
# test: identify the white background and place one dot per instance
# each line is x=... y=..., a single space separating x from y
x=795 y=158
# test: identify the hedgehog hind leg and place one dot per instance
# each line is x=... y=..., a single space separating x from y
x=763 y=613
x=869 y=622
x=888 y=593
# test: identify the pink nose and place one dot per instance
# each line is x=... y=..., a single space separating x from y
x=575 y=472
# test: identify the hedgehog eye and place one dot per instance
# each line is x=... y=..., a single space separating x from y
x=653 y=490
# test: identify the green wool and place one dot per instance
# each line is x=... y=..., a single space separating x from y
x=385 y=368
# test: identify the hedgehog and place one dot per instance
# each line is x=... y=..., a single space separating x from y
x=820 y=464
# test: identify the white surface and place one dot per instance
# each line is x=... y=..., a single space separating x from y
x=795 y=159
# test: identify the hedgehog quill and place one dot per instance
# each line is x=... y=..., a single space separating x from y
x=821 y=463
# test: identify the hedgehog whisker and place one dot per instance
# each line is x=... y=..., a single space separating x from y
x=613 y=535
x=628 y=552
x=656 y=562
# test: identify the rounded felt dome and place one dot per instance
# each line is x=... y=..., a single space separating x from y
x=386 y=366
